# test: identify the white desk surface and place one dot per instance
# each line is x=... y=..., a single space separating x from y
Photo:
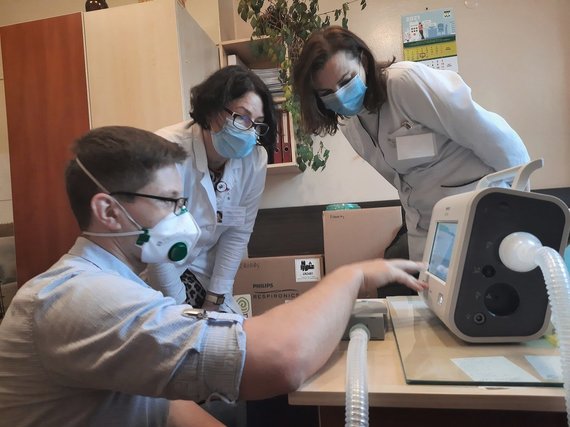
x=387 y=387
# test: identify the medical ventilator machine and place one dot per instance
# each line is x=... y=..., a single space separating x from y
x=482 y=252
x=475 y=250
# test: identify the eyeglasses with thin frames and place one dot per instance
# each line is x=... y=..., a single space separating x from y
x=180 y=203
x=242 y=122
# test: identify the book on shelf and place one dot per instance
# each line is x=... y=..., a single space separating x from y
x=286 y=148
x=278 y=153
x=270 y=76
x=233 y=59
x=284 y=140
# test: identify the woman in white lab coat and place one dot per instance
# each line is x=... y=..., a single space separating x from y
x=418 y=127
x=229 y=138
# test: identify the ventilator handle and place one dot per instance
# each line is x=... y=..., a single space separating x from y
x=519 y=174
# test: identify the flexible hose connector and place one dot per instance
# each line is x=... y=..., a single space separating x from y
x=558 y=288
x=523 y=252
x=356 y=413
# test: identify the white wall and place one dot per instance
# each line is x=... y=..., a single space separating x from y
x=515 y=55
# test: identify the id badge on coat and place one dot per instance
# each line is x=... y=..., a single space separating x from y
x=416 y=146
x=231 y=216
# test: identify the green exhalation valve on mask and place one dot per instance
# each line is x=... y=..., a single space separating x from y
x=178 y=252
x=143 y=237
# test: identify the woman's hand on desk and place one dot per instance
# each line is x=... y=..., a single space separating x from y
x=380 y=272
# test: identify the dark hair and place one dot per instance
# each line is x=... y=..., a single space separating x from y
x=121 y=158
x=223 y=86
x=318 y=49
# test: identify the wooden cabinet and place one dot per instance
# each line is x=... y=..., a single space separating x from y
x=129 y=65
x=142 y=60
x=46 y=109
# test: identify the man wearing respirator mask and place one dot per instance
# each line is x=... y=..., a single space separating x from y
x=88 y=342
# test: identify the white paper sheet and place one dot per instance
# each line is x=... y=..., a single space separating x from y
x=548 y=367
x=493 y=369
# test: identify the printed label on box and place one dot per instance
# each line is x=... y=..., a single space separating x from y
x=244 y=303
x=307 y=269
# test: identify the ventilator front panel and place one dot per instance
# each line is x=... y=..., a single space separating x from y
x=494 y=301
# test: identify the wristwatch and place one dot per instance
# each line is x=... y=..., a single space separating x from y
x=215 y=298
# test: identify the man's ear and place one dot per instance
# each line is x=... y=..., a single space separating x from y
x=105 y=211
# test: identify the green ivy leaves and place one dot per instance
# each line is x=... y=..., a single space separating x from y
x=286 y=25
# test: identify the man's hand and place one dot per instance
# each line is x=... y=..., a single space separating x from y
x=166 y=279
x=184 y=413
x=380 y=272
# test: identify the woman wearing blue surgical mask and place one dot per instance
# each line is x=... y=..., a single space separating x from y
x=229 y=139
x=417 y=126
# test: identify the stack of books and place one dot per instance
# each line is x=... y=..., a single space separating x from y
x=270 y=76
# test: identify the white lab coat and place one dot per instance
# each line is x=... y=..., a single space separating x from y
x=222 y=245
x=470 y=141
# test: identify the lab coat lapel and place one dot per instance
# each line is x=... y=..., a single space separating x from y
x=202 y=166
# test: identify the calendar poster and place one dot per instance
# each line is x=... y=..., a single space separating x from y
x=429 y=37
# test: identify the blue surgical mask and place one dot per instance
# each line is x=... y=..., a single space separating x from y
x=347 y=100
x=233 y=143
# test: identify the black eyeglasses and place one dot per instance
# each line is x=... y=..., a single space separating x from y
x=180 y=203
x=245 y=123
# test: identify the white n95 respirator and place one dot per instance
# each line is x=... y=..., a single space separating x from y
x=171 y=240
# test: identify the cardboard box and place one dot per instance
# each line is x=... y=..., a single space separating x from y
x=358 y=234
x=263 y=283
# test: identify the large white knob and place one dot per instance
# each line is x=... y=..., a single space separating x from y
x=517 y=251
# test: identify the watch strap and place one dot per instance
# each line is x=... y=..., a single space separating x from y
x=215 y=298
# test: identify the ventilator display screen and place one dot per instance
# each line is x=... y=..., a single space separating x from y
x=441 y=249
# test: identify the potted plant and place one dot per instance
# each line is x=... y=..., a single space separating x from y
x=285 y=25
